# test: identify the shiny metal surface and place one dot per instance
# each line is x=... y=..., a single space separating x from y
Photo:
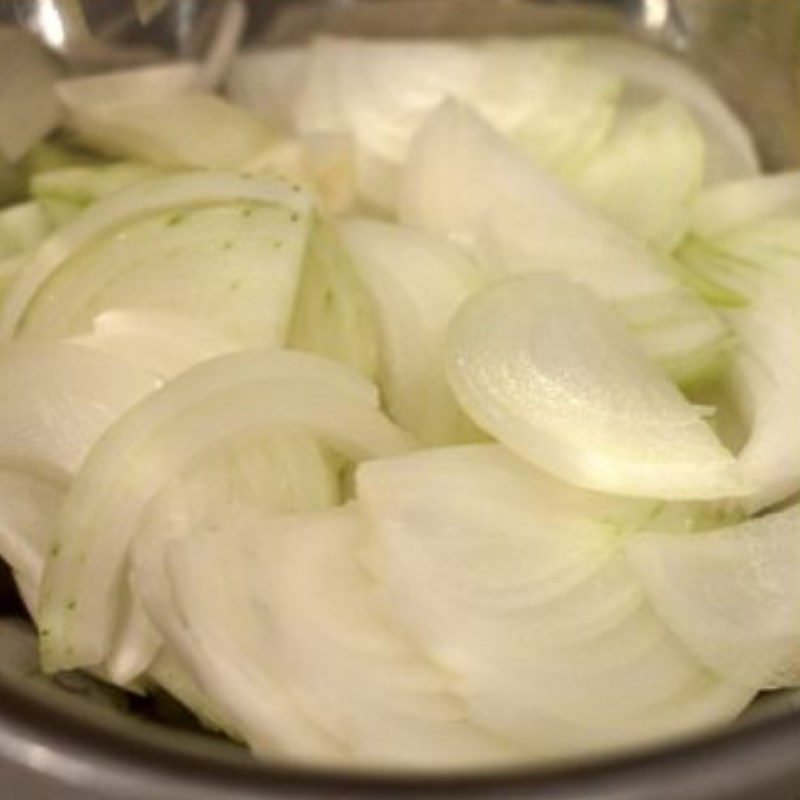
x=54 y=746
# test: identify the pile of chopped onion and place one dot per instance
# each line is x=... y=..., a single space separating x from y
x=425 y=405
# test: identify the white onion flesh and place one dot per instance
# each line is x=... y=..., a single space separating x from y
x=213 y=402
x=465 y=181
x=650 y=75
x=64 y=397
x=524 y=596
x=271 y=245
x=417 y=282
x=328 y=647
x=731 y=595
x=761 y=264
x=188 y=130
x=63 y=193
x=562 y=384
x=654 y=146
x=539 y=93
x=333 y=314
x=156 y=341
x=727 y=206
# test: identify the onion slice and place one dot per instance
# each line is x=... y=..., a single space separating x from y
x=545 y=367
x=651 y=75
x=416 y=282
x=286 y=213
x=207 y=405
x=515 y=584
x=727 y=206
x=321 y=638
x=731 y=595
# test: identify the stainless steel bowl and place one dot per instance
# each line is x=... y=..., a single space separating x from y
x=58 y=746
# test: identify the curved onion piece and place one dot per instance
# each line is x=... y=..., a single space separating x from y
x=727 y=206
x=464 y=181
x=205 y=406
x=731 y=595
x=538 y=93
x=66 y=191
x=548 y=370
x=758 y=267
x=765 y=382
x=64 y=397
x=193 y=129
x=515 y=584
x=163 y=343
x=324 y=641
x=28 y=104
x=224 y=643
x=333 y=314
x=284 y=471
x=651 y=75
x=417 y=282
x=656 y=145
x=184 y=224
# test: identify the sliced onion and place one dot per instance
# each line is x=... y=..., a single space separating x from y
x=191 y=129
x=324 y=642
x=730 y=205
x=731 y=595
x=516 y=585
x=542 y=365
x=652 y=75
x=274 y=217
x=64 y=192
x=538 y=93
x=29 y=108
x=464 y=181
x=416 y=282
x=207 y=405
x=232 y=658
x=660 y=146
x=64 y=398
x=165 y=344
x=333 y=313
x=753 y=272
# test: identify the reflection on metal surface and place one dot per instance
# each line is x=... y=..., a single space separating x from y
x=50 y=25
x=655 y=14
